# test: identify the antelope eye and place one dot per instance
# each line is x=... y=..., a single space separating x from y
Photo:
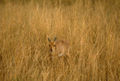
x=50 y=50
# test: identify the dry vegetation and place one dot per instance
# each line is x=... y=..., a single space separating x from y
x=92 y=28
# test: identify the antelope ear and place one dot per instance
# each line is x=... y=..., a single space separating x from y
x=55 y=39
x=49 y=40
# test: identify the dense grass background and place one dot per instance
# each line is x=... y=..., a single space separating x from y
x=91 y=26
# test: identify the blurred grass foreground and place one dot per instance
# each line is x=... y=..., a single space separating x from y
x=92 y=27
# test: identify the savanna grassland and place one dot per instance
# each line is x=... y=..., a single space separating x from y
x=92 y=28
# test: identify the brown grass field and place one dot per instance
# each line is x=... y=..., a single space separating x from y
x=92 y=27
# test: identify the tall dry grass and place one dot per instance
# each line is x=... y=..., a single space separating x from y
x=92 y=28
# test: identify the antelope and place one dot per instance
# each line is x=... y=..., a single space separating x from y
x=58 y=48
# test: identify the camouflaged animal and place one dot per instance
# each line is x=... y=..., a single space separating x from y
x=58 y=47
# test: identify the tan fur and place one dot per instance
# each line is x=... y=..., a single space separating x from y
x=59 y=48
